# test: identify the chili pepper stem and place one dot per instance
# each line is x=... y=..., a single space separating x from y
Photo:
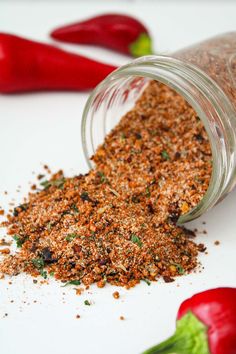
x=190 y=338
x=142 y=46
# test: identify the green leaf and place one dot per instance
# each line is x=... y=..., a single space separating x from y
x=72 y=282
x=136 y=239
x=38 y=263
x=102 y=177
x=59 y=183
x=190 y=338
x=147 y=282
x=179 y=267
x=141 y=46
x=70 y=237
x=148 y=193
x=87 y=303
x=122 y=136
x=74 y=207
x=165 y=155
x=44 y=274
x=46 y=184
x=19 y=240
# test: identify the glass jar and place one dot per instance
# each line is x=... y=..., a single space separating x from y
x=205 y=75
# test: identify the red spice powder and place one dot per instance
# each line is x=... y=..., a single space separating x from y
x=117 y=223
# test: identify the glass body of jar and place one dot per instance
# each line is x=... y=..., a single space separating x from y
x=205 y=75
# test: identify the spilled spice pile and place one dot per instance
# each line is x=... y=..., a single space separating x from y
x=117 y=224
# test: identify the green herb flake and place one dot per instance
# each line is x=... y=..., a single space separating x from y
x=165 y=155
x=122 y=136
x=136 y=239
x=70 y=237
x=46 y=184
x=65 y=212
x=180 y=269
x=49 y=226
x=72 y=282
x=19 y=240
x=38 y=263
x=135 y=151
x=87 y=303
x=148 y=193
x=84 y=194
x=43 y=274
x=103 y=178
x=85 y=197
x=51 y=274
x=153 y=132
x=74 y=207
x=59 y=183
x=147 y=282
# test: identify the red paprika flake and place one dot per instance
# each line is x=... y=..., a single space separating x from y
x=118 y=32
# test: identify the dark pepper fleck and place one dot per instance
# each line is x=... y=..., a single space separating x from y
x=177 y=155
x=135 y=199
x=168 y=279
x=85 y=197
x=138 y=136
x=47 y=255
x=173 y=217
x=150 y=208
x=201 y=247
x=103 y=262
x=199 y=137
x=189 y=233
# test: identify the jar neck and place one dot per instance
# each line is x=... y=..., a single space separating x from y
x=200 y=91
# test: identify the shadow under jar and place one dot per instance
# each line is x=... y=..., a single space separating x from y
x=205 y=75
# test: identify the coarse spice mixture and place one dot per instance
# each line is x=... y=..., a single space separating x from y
x=216 y=57
x=117 y=224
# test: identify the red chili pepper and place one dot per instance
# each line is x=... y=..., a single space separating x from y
x=206 y=324
x=26 y=65
x=122 y=33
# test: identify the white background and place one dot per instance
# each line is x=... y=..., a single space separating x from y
x=45 y=128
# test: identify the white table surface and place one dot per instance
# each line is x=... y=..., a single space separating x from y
x=45 y=128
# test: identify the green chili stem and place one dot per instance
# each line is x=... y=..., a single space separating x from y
x=190 y=338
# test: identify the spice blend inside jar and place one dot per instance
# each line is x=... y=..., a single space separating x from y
x=217 y=58
x=117 y=223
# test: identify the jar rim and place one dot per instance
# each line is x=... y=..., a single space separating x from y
x=208 y=100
